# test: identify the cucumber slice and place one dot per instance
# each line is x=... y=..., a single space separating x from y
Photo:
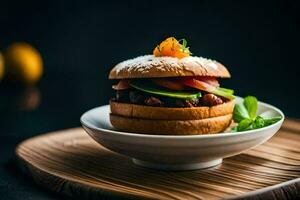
x=173 y=94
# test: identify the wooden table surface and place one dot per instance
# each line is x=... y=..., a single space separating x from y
x=71 y=163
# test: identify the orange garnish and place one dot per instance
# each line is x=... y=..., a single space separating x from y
x=173 y=48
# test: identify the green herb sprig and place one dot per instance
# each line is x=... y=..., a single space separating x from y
x=245 y=114
x=184 y=49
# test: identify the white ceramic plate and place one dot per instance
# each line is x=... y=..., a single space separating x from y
x=176 y=152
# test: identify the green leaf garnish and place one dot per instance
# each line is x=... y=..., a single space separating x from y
x=245 y=114
x=158 y=47
x=166 y=93
x=234 y=130
x=269 y=121
x=259 y=122
x=244 y=125
x=251 y=104
x=184 y=49
x=184 y=42
x=240 y=112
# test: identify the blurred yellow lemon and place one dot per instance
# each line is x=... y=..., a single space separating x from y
x=1 y=66
x=23 y=63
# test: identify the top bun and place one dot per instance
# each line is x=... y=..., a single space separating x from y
x=150 y=66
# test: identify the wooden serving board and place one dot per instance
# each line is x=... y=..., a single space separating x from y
x=71 y=163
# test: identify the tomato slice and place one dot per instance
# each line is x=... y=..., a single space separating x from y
x=122 y=85
x=195 y=83
x=169 y=84
x=208 y=79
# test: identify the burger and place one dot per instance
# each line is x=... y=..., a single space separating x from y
x=170 y=92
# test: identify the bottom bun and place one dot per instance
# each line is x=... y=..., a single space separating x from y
x=171 y=127
x=166 y=113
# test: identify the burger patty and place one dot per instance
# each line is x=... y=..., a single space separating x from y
x=138 y=97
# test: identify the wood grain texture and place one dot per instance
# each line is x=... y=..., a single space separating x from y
x=71 y=163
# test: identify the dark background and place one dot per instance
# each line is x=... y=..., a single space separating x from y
x=80 y=41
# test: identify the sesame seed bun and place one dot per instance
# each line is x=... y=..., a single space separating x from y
x=150 y=66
